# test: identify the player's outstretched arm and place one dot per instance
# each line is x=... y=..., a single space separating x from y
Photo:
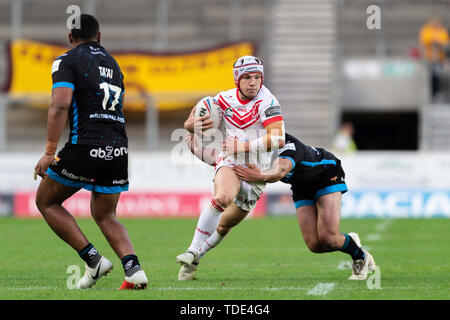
x=56 y=121
x=279 y=169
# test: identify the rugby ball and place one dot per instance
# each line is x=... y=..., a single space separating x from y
x=209 y=105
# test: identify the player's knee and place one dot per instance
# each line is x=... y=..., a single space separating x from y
x=104 y=219
x=39 y=203
x=223 y=229
x=224 y=199
x=42 y=203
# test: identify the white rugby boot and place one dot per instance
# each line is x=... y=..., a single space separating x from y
x=361 y=267
x=91 y=275
x=187 y=258
x=138 y=281
x=187 y=272
x=189 y=264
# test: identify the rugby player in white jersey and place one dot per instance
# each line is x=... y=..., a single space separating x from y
x=253 y=128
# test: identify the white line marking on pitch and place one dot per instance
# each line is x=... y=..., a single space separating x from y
x=229 y=288
x=321 y=289
x=32 y=288
x=382 y=226
x=209 y=288
x=260 y=289
x=373 y=237
x=344 y=265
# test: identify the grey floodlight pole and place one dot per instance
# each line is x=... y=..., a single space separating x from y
x=90 y=7
x=152 y=124
x=3 y=122
x=162 y=24
x=16 y=19
x=235 y=22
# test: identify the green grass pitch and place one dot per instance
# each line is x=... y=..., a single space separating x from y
x=261 y=259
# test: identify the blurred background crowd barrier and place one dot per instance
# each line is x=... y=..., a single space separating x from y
x=369 y=80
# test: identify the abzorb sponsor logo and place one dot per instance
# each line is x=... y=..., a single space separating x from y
x=108 y=153
x=396 y=203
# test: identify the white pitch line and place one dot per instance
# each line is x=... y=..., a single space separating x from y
x=228 y=288
x=344 y=265
x=382 y=226
x=261 y=289
x=32 y=288
x=373 y=237
x=211 y=288
x=321 y=289
x=180 y=288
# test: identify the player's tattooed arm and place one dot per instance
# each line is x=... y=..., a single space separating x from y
x=198 y=125
x=279 y=169
x=56 y=121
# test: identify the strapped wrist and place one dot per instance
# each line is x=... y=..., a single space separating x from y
x=257 y=145
x=50 y=148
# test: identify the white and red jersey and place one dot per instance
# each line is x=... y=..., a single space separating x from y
x=246 y=120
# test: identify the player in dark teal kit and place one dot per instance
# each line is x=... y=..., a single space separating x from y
x=88 y=89
x=317 y=182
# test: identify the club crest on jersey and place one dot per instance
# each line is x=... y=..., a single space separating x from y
x=255 y=109
x=228 y=112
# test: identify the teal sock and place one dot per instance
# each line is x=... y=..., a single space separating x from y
x=350 y=247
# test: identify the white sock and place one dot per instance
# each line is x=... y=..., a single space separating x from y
x=210 y=243
x=206 y=225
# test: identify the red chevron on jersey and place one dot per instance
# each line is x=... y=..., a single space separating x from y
x=247 y=120
x=242 y=125
x=235 y=120
x=244 y=121
x=242 y=116
x=253 y=111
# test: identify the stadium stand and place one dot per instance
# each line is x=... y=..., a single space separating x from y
x=130 y=25
x=401 y=22
x=303 y=67
x=332 y=31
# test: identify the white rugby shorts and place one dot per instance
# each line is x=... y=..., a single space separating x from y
x=249 y=193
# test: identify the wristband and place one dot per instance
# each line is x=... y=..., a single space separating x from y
x=50 y=148
x=257 y=145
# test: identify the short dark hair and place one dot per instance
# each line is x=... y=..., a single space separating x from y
x=89 y=28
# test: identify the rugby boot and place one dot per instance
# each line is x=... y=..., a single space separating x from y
x=91 y=275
